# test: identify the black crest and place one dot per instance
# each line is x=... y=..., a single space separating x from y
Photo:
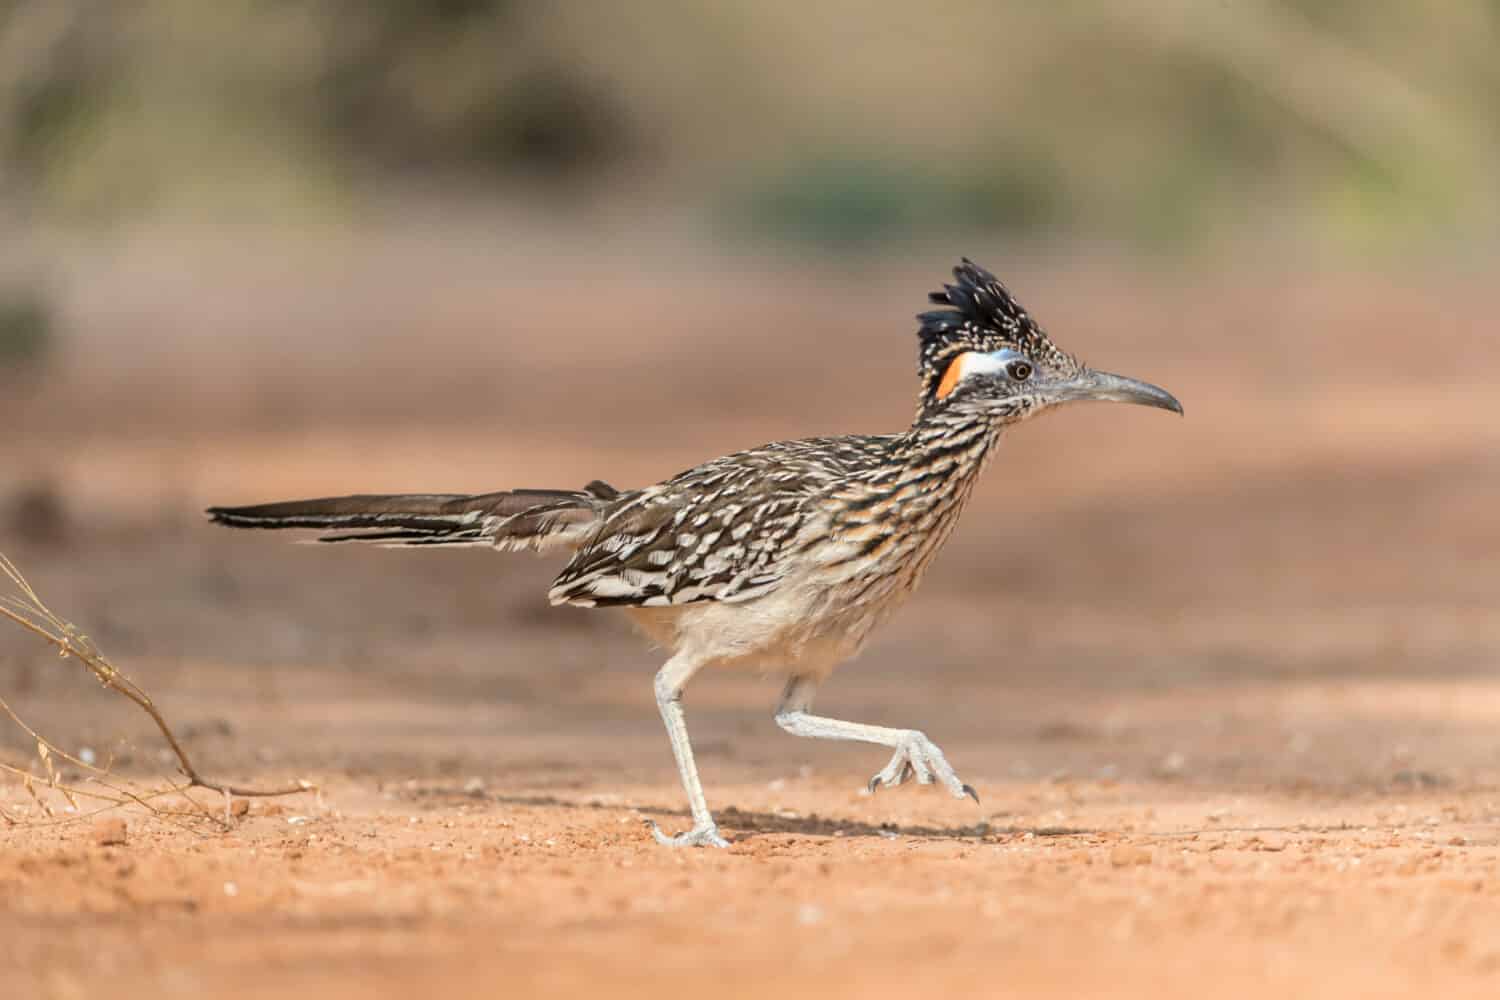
x=982 y=315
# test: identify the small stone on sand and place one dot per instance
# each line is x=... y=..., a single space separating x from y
x=109 y=832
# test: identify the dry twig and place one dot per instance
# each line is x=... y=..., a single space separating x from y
x=26 y=609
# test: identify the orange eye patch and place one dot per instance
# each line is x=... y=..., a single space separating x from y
x=979 y=363
x=953 y=375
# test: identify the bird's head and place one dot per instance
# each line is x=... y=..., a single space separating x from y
x=984 y=354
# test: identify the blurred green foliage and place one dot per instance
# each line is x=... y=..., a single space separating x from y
x=839 y=123
x=388 y=90
x=844 y=203
x=26 y=329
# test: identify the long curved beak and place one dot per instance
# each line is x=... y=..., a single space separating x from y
x=1115 y=389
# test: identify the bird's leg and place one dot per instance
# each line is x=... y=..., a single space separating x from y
x=916 y=755
x=670 y=680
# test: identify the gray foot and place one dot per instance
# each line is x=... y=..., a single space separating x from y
x=919 y=757
x=698 y=836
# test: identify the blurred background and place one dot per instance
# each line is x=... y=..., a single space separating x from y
x=265 y=248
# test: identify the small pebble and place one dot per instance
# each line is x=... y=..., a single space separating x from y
x=110 y=832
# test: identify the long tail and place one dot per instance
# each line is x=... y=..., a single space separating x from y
x=513 y=519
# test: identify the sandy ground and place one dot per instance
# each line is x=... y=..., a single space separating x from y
x=1227 y=685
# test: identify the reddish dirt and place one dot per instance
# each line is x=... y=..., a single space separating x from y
x=1227 y=685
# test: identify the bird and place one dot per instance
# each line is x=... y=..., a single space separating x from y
x=782 y=558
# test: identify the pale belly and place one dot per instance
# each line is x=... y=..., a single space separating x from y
x=795 y=630
x=817 y=619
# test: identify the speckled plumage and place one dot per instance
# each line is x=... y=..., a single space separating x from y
x=807 y=544
x=981 y=315
x=782 y=558
x=867 y=512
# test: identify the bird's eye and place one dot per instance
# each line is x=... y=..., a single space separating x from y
x=1020 y=371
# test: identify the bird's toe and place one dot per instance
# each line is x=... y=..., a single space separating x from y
x=918 y=757
x=698 y=836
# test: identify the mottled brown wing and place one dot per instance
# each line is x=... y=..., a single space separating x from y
x=720 y=532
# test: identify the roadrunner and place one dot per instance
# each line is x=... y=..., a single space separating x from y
x=782 y=558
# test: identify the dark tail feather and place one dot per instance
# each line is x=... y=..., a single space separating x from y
x=413 y=537
x=513 y=519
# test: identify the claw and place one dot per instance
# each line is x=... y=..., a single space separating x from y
x=698 y=836
x=918 y=757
